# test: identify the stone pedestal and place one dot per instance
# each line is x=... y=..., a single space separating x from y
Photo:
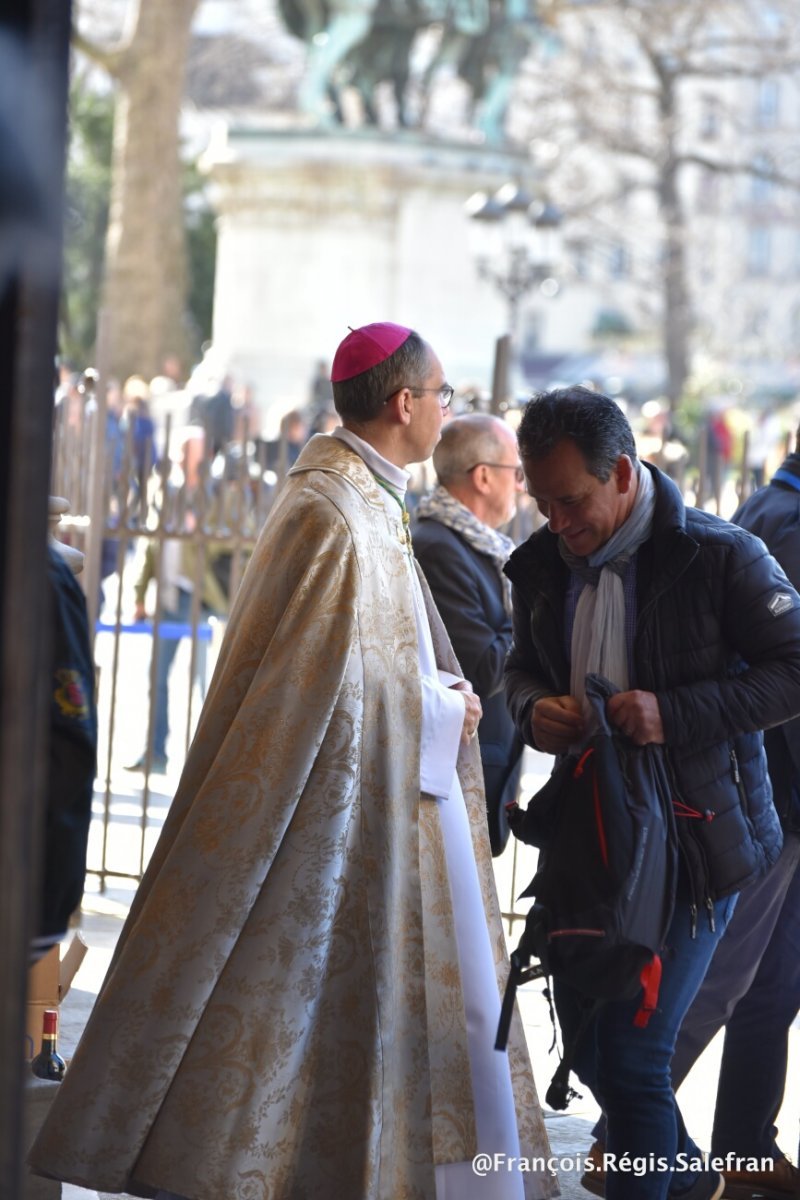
x=321 y=230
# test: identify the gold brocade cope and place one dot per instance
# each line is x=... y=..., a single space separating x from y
x=283 y=1015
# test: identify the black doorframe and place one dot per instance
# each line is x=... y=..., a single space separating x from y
x=34 y=62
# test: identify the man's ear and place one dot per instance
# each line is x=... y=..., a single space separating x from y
x=624 y=471
x=400 y=406
x=480 y=479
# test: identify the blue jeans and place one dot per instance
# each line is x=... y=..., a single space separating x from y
x=167 y=649
x=628 y=1069
x=753 y=989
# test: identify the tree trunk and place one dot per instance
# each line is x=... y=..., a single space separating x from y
x=676 y=319
x=676 y=301
x=144 y=294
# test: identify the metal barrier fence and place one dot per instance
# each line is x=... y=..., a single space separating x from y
x=177 y=528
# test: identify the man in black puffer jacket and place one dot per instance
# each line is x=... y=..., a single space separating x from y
x=700 y=629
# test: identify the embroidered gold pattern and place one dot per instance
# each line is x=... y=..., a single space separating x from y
x=282 y=1017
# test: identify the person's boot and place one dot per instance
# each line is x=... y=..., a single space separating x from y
x=594 y=1176
x=709 y=1185
x=781 y=1183
x=158 y=764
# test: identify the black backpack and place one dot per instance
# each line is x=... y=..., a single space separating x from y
x=605 y=888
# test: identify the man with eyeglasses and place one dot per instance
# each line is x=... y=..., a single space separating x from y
x=460 y=547
x=307 y=988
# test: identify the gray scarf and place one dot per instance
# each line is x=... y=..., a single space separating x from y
x=598 y=634
x=440 y=506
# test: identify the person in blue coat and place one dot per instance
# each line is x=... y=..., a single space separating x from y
x=753 y=985
x=459 y=545
x=72 y=757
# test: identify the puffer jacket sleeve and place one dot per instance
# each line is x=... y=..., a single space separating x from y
x=760 y=620
x=773 y=514
x=526 y=677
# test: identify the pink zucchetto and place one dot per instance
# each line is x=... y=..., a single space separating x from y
x=366 y=347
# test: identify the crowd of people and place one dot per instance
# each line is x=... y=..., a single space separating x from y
x=212 y=400
x=173 y=443
x=307 y=988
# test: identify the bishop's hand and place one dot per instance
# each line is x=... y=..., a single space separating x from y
x=472 y=711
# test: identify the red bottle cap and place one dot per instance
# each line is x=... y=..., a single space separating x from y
x=50 y=1021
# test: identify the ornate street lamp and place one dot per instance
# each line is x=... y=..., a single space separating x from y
x=516 y=244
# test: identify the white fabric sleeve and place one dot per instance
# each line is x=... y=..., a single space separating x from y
x=442 y=723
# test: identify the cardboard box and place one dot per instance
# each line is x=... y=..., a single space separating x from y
x=49 y=980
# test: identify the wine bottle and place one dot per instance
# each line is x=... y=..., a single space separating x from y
x=48 y=1063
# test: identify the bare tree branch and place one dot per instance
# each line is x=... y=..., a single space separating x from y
x=638 y=96
x=752 y=170
x=110 y=58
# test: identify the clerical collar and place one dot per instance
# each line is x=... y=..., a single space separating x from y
x=395 y=476
x=391 y=478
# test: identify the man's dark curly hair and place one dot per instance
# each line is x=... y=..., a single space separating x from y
x=361 y=398
x=594 y=422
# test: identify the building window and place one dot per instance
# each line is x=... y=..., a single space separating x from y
x=579 y=258
x=767 y=103
x=619 y=265
x=758 y=251
x=709 y=118
x=771 y=20
x=761 y=188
